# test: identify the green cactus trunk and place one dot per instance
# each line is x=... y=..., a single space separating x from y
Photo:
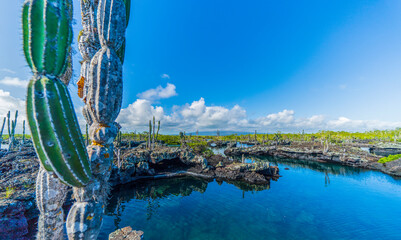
x=47 y=37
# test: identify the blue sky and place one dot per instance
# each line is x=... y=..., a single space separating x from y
x=244 y=65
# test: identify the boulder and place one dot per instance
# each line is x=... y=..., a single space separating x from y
x=126 y=234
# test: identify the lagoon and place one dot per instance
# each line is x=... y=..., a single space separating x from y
x=310 y=201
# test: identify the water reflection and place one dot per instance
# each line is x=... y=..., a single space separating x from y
x=153 y=191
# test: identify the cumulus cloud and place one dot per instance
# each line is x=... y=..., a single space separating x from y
x=199 y=116
x=159 y=93
x=15 y=82
x=138 y=114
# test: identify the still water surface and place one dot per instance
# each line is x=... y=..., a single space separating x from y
x=310 y=201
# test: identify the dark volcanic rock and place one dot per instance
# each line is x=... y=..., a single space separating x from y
x=18 y=172
x=13 y=223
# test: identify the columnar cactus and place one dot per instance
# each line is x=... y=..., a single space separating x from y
x=102 y=46
x=11 y=129
x=23 y=132
x=1 y=132
x=47 y=37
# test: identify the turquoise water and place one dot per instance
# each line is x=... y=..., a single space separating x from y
x=310 y=201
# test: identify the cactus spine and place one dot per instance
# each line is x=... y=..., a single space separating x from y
x=102 y=45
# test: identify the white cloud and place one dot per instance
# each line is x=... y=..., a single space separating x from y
x=165 y=75
x=138 y=114
x=159 y=93
x=15 y=82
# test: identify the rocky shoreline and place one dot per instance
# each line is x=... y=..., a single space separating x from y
x=344 y=155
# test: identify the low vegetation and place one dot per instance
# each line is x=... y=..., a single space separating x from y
x=390 y=158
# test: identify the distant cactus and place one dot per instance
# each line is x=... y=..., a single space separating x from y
x=11 y=129
x=152 y=134
x=1 y=132
x=23 y=132
x=158 y=128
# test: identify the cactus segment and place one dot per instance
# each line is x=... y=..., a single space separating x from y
x=52 y=118
x=111 y=22
x=34 y=129
x=47 y=35
x=105 y=73
x=84 y=220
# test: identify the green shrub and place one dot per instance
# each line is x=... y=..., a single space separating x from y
x=390 y=158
